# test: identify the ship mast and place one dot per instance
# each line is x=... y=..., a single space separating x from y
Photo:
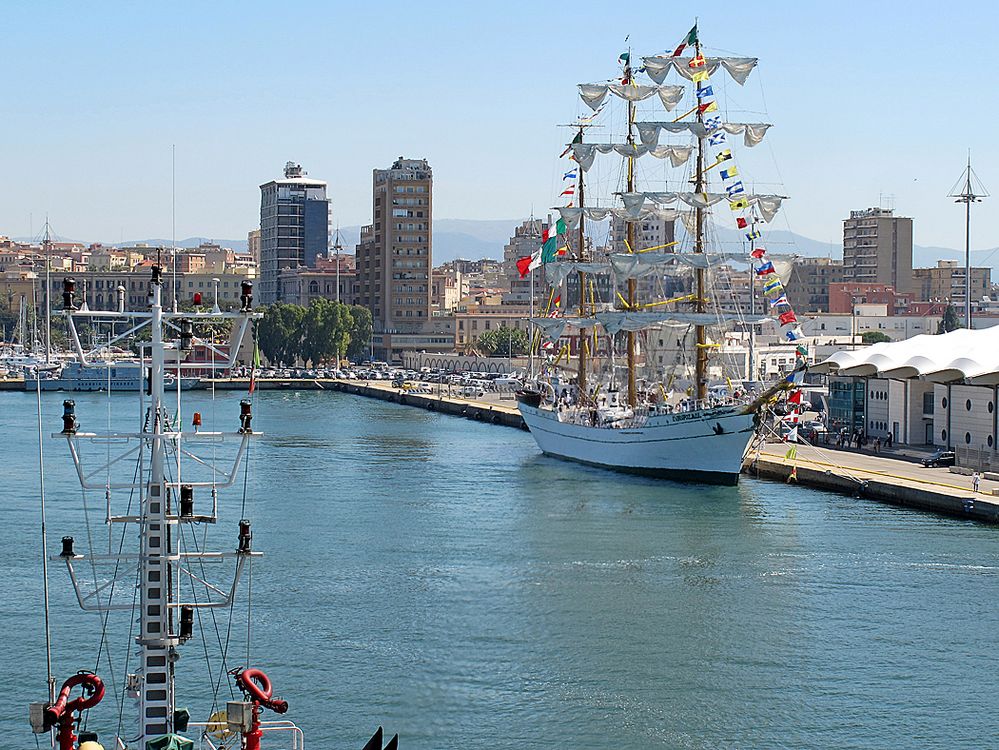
x=157 y=647
x=165 y=620
x=630 y=234
x=701 y=361
x=581 y=377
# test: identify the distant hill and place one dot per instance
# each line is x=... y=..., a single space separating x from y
x=474 y=239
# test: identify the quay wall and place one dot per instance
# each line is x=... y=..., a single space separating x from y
x=947 y=501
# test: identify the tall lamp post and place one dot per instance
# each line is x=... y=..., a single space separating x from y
x=972 y=191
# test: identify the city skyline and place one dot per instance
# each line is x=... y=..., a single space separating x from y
x=95 y=125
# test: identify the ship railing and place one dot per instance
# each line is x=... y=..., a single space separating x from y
x=267 y=727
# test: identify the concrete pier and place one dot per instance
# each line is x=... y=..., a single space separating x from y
x=890 y=480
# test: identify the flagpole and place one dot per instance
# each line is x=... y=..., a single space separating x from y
x=530 y=325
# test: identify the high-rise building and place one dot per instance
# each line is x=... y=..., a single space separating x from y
x=394 y=257
x=877 y=248
x=526 y=240
x=649 y=233
x=294 y=227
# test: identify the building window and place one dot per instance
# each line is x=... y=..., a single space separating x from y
x=967 y=438
x=967 y=404
x=943 y=435
x=943 y=402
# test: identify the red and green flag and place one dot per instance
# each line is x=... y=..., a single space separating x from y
x=691 y=38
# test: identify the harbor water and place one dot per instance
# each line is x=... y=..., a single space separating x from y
x=443 y=579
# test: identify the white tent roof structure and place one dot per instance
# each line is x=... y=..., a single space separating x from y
x=961 y=355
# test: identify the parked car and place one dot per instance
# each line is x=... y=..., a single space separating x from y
x=941 y=457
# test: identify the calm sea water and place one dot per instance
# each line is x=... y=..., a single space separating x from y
x=441 y=578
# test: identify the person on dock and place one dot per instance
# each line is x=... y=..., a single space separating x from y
x=976 y=481
x=877 y=445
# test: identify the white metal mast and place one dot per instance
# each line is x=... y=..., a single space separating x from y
x=971 y=192
x=165 y=620
x=47 y=247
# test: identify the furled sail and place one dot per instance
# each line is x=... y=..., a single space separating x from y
x=584 y=153
x=593 y=94
x=752 y=132
x=637 y=265
x=738 y=67
x=616 y=321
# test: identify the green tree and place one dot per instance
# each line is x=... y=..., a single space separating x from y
x=326 y=331
x=950 y=320
x=875 y=337
x=499 y=341
x=360 y=332
x=280 y=332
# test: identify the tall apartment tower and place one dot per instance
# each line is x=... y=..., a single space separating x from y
x=651 y=233
x=394 y=257
x=877 y=248
x=294 y=227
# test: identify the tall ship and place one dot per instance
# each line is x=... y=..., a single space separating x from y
x=162 y=484
x=623 y=409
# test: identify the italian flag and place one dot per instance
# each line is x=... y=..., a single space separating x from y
x=691 y=38
x=528 y=263
x=549 y=244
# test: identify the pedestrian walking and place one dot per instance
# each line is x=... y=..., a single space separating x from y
x=889 y=440
x=976 y=481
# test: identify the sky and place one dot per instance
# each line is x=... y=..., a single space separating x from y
x=873 y=103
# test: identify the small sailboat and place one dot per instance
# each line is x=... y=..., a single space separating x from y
x=678 y=426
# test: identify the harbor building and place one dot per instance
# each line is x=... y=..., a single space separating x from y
x=945 y=283
x=294 y=227
x=394 y=257
x=877 y=248
x=809 y=282
x=925 y=391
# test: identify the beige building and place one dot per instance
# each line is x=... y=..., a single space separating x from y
x=253 y=245
x=945 y=283
x=394 y=257
x=877 y=248
x=808 y=286
x=302 y=285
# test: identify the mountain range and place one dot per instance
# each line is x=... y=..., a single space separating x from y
x=473 y=239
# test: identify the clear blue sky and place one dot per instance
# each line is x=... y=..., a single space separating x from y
x=868 y=99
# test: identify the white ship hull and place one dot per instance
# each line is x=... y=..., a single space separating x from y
x=705 y=446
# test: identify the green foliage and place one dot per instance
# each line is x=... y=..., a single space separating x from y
x=950 y=322
x=875 y=337
x=325 y=331
x=499 y=341
x=360 y=332
x=279 y=332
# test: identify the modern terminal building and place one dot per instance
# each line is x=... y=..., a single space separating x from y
x=929 y=390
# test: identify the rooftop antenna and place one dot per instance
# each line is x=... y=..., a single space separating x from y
x=972 y=191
